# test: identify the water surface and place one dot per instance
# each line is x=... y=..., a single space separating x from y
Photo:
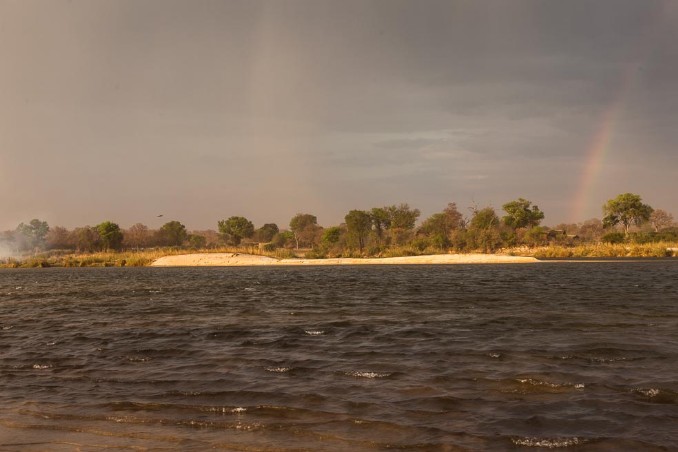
x=497 y=357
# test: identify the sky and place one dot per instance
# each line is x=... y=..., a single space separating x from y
x=124 y=110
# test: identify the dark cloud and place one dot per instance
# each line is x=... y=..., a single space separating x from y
x=113 y=109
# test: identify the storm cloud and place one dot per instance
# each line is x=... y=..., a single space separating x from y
x=124 y=109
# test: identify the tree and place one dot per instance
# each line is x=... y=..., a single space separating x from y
x=484 y=219
x=521 y=215
x=626 y=209
x=304 y=226
x=110 y=235
x=483 y=231
x=591 y=230
x=212 y=239
x=402 y=217
x=197 y=241
x=283 y=239
x=331 y=235
x=58 y=238
x=172 y=233
x=437 y=228
x=236 y=229
x=454 y=218
x=401 y=221
x=137 y=236
x=660 y=219
x=85 y=238
x=440 y=225
x=380 y=221
x=33 y=233
x=358 y=224
x=265 y=233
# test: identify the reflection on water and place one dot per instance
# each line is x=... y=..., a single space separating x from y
x=336 y=358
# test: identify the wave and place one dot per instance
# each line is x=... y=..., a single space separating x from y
x=657 y=395
x=548 y=443
x=278 y=369
x=314 y=332
x=361 y=374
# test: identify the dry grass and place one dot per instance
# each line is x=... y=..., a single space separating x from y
x=144 y=258
x=661 y=249
x=139 y=258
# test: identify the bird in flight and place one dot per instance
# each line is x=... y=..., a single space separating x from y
x=159 y=215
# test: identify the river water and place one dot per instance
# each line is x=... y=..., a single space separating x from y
x=489 y=357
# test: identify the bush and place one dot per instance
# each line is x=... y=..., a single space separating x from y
x=267 y=247
x=375 y=251
x=316 y=253
x=614 y=237
x=421 y=243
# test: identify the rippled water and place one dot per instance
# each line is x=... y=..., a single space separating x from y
x=341 y=358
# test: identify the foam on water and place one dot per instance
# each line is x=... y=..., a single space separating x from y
x=548 y=443
x=314 y=332
x=368 y=374
x=278 y=369
x=42 y=366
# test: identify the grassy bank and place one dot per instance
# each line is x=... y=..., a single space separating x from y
x=144 y=258
x=602 y=250
x=140 y=258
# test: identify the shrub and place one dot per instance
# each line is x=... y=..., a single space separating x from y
x=614 y=237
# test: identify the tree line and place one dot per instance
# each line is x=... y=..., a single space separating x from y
x=368 y=232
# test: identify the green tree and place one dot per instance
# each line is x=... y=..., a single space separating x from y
x=381 y=221
x=439 y=226
x=197 y=241
x=266 y=233
x=359 y=225
x=483 y=230
x=535 y=236
x=110 y=235
x=236 y=229
x=304 y=226
x=401 y=221
x=402 y=216
x=484 y=219
x=33 y=233
x=522 y=214
x=172 y=233
x=283 y=239
x=626 y=209
x=331 y=235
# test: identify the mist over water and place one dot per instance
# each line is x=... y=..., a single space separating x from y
x=333 y=358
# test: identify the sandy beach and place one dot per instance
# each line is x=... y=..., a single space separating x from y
x=242 y=260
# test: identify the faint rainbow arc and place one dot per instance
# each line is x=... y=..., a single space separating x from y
x=599 y=145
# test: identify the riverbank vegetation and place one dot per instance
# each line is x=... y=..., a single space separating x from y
x=629 y=228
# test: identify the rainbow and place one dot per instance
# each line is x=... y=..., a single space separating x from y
x=599 y=145
x=597 y=148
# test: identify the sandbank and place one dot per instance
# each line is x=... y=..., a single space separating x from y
x=245 y=260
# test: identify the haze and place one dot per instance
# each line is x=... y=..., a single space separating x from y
x=124 y=110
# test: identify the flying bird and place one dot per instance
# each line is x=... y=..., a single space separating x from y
x=159 y=215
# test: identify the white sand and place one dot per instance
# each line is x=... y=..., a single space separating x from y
x=236 y=259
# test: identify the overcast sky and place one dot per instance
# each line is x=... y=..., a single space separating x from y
x=199 y=110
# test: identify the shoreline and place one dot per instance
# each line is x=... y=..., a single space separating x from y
x=247 y=260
